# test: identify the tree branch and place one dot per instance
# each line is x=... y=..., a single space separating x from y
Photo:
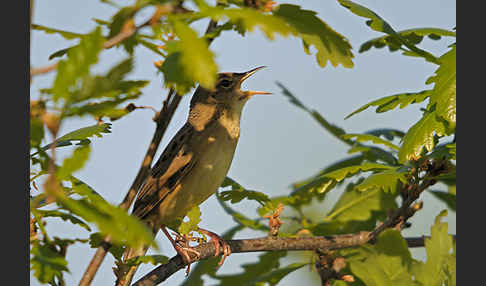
x=207 y=250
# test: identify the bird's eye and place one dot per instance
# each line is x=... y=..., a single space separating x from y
x=225 y=83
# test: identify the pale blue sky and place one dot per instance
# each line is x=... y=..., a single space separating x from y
x=279 y=143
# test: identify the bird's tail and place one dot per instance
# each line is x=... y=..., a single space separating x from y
x=124 y=273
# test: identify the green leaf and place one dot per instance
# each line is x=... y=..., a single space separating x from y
x=414 y=36
x=448 y=198
x=47 y=263
x=154 y=259
x=377 y=23
x=73 y=163
x=273 y=278
x=64 y=216
x=386 y=263
x=439 y=252
x=36 y=131
x=118 y=20
x=331 y=128
x=96 y=240
x=359 y=206
x=253 y=271
x=387 y=133
x=59 y=53
x=420 y=136
x=248 y=19
x=189 y=61
x=444 y=92
x=327 y=181
x=194 y=216
x=387 y=180
x=388 y=103
x=79 y=60
x=65 y=34
x=240 y=218
x=372 y=138
x=81 y=135
x=238 y=193
x=110 y=220
x=330 y=45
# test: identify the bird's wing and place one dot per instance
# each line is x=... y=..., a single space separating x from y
x=174 y=163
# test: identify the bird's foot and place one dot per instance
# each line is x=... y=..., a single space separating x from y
x=183 y=248
x=218 y=241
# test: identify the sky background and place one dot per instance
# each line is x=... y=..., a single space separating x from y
x=279 y=144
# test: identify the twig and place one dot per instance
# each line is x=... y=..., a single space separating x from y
x=115 y=40
x=207 y=250
x=162 y=119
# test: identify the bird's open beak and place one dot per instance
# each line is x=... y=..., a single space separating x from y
x=245 y=75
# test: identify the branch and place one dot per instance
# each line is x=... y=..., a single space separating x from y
x=162 y=120
x=115 y=40
x=207 y=250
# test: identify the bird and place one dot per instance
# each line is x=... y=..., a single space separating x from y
x=194 y=163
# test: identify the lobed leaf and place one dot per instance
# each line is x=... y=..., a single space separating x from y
x=387 y=180
x=64 y=216
x=241 y=219
x=377 y=23
x=65 y=34
x=73 y=163
x=79 y=60
x=110 y=220
x=238 y=193
x=421 y=136
x=330 y=45
x=81 y=135
x=372 y=138
x=448 y=198
x=97 y=239
x=444 y=92
x=354 y=205
x=386 y=263
x=413 y=36
x=47 y=263
x=388 y=103
x=439 y=255
x=273 y=278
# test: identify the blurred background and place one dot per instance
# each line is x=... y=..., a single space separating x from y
x=279 y=144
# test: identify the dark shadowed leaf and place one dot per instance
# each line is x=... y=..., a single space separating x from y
x=414 y=36
x=388 y=103
x=64 y=216
x=238 y=193
x=448 y=198
x=47 y=263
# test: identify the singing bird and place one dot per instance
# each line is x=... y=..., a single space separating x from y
x=196 y=161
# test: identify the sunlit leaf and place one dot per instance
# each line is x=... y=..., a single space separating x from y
x=330 y=45
x=386 y=263
x=194 y=218
x=444 y=92
x=387 y=180
x=64 y=216
x=77 y=64
x=439 y=251
x=153 y=259
x=73 y=163
x=421 y=136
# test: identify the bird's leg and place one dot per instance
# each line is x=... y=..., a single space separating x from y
x=217 y=240
x=181 y=250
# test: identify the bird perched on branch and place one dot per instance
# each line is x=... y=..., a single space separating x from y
x=194 y=163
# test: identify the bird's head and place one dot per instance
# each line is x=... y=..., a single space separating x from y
x=227 y=91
